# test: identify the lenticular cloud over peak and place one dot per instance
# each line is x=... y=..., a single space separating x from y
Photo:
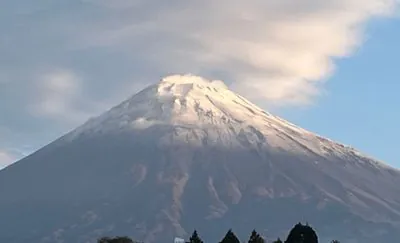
x=280 y=51
x=272 y=52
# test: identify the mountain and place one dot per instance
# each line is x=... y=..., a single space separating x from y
x=189 y=153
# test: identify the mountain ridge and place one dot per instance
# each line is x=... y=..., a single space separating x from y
x=177 y=91
x=189 y=153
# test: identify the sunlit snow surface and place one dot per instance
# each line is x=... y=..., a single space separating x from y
x=194 y=105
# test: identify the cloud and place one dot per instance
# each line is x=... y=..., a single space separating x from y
x=64 y=61
x=57 y=92
x=60 y=97
x=279 y=51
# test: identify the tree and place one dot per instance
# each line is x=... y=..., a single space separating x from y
x=278 y=241
x=302 y=234
x=104 y=240
x=230 y=237
x=255 y=237
x=195 y=238
x=123 y=239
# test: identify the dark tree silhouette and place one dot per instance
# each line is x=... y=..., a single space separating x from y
x=195 y=238
x=123 y=239
x=230 y=237
x=255 y=237
x=104 y=240
x=302 y=234
x=278 y=241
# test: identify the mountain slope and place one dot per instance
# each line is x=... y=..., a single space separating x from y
x=189 y=153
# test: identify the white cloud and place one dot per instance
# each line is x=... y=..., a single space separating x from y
x=60 y=96
x=280 y=51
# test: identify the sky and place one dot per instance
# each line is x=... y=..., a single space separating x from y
x=360 y=107
x=329 y=66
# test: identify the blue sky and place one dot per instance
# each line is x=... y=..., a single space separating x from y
x=361 y=105
x=329 y=66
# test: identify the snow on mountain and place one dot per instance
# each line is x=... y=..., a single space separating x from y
x=189 y=153
x=195 y=104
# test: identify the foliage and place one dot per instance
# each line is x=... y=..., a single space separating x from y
x=255 y=237
x=298 y=234
x=302 y=234
x=230 y=237
x=123 y=239
x=195 y=238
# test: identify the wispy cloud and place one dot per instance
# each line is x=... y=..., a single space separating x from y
x=57 y=91
x=60 y=97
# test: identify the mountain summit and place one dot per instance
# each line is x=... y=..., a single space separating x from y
x=189 y=153
x=188 y=103
x=179 y=100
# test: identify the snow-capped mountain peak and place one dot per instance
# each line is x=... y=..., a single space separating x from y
x=188 y=152
x=188 y=101
x=199 y=111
